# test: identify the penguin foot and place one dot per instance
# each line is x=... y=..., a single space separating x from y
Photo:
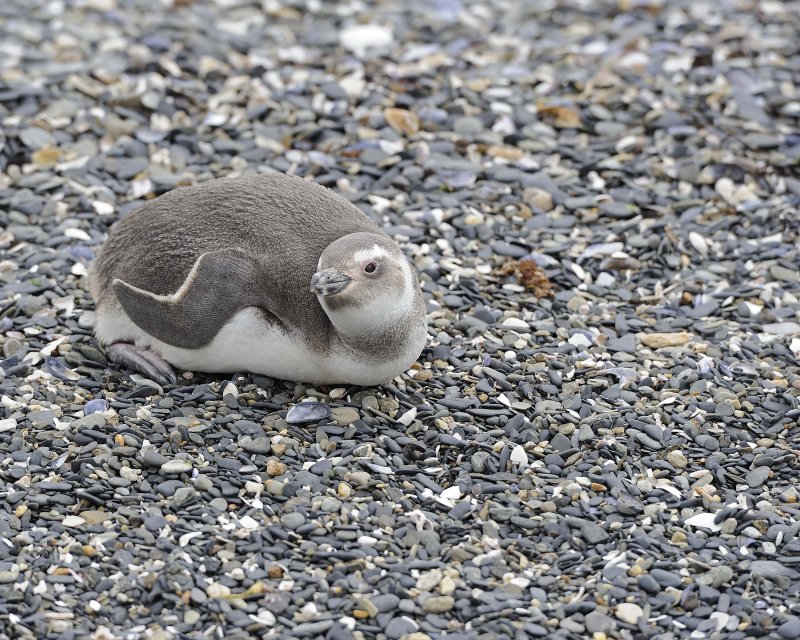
x=144 y=361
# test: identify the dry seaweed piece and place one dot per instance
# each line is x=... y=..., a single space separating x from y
x=529 y=275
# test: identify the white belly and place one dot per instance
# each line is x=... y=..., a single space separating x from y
x=244 y=344
x=247 y=344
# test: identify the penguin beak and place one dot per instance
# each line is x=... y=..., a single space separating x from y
x=329 y=282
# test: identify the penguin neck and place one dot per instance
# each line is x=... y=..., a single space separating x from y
x=371 y=321
x=399 y=336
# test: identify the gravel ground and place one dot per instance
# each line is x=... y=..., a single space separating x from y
x=600 y=440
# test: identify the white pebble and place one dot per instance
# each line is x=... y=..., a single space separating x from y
x=699 y=243
x=579 y=340
x=103 y=208
x=518 y=455
x=186 y=537
x=176 y=466
x=703 y=520
x=516 y=323
x=73 y=521
x=217 y=590
x=78 y=234
x=605 y=279
x=629 y=612
x=248 y=522
x=451 y=493
x=79 y=269
x=408 y=417
x=360 y=37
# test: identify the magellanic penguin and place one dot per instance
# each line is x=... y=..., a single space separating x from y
x=270 y=274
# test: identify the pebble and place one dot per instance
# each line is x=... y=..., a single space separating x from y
x=661 y=340
x=438 y=604
x=629 y=612
x=677 y=459
x=757 y=477
x=344 y=415
x=95 y=406
x=293 y=520
x=401 y=628
x=598 y=622
x=176 y=466
x=790 y=629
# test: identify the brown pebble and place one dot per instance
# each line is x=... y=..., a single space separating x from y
x=275 y=467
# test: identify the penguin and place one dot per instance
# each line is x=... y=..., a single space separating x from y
x=267 y=273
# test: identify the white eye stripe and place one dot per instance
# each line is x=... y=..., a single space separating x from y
x=373 y=253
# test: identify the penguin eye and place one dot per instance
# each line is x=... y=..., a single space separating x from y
x=370 y=267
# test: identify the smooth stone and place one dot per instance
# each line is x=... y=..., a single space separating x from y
x=782 y=328
x=176 y=466
x=386 y=602
x=560 y=443
x=597 y=622
x=629 y=612
x=293 y=520
x=221 y=504
x=95 y=406
x=153 y=458
x=400 y=627
x=438 y=604
x=37 y=138
x=183 y=496
x=344 y=416
x=468 y=126
x=782 y=273
x=790 y=630
x=677 y=459
x=593 y=533
x=757 y=477
x=724 y=409
x=625 y=343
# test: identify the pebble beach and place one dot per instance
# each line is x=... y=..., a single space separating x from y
x=600 y=440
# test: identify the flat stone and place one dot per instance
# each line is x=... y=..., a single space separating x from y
x=677 y=459
x=176 y=466
x=629 y=612
x=597 y=622
x=438 y=604
x=293 y=520
x=400 y=628
x=593 y=533
x=344 y=415
x=790 y=630
x=757 y=477
x=625 y=344
x=660 y=340
x=782 y=328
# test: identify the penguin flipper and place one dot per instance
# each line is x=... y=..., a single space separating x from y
x=219 y=284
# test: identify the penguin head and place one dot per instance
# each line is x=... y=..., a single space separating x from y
x=364 y=283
